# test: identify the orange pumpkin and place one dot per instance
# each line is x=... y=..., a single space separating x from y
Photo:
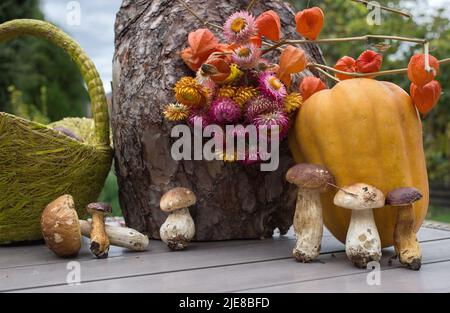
x=363 y=130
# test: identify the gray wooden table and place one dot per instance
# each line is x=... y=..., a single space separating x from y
x=233 y=266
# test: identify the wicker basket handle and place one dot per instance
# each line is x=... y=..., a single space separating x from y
x=16 y=28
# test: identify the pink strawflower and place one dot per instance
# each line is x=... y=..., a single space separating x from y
x=240 y=27
x=270 y=120
x=272 y=87
x=225 y=111
x=246 y=56
x=261 y=105
x=198 y=116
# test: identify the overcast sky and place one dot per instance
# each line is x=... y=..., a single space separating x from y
x=95 y=32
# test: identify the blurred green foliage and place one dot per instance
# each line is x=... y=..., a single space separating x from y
x=438 y=214
x=30 y=64
x=344 y=18
x=110 y=193
x=26 y=110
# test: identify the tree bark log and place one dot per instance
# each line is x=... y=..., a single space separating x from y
x=234 y=201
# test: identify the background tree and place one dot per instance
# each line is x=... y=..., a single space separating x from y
x=31 y=64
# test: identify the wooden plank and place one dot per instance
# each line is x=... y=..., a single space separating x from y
x=38 y=254
x=433 y=277
x=19 y=256
x=233 y=277
x=149 y=263
x=16 y=274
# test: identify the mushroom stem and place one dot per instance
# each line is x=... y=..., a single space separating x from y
x=363 y=243
x=308 y=225
x=99 y=238
x=406 y=245
x=120 y=236
x=178 y=229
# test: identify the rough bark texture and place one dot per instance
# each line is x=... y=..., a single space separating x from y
x=234 y=201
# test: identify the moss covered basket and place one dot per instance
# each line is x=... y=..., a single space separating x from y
x=39 y=163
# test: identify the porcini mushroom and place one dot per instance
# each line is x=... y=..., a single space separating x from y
x=120 y=236
x=61 y=230
x=363 y=244
x=312 y=180
x=405 y=241
x=60 y=227
x=179 y=227
x=99 y=239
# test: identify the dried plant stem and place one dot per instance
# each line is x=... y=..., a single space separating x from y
x=345 y=191
x=332 y=77
x=426 y=52
x=424 y=42
x=251 y=5
x=359 y=38
x=358 y=75
x=274 y=46
x=403 y=13
x=362 y=75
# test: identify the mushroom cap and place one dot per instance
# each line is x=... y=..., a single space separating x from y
x=61 y=228
x=364 y=197
x=99 y=207
x=177 y=198
x=403 y=196
x=68 y=132
x=310 y=176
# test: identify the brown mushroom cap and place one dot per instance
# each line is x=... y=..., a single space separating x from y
x=61 y=228
x=177 y=198
x=99 y=207
x=359 y=197
x=403 y=196
x=310 y=176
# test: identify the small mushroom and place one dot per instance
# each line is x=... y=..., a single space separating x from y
x=120 y=236
x=363 y=244
x=68 y=133
x=99 y=239
x=179 y=227
x=60 y=227
x=405 y=241
x=312 y=180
